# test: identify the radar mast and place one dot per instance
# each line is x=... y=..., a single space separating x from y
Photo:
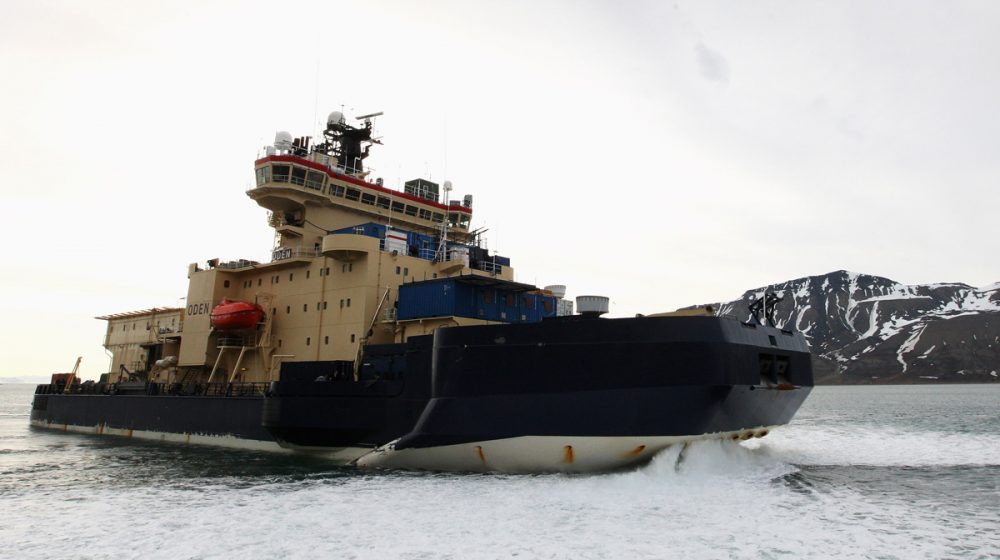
x=349 y=144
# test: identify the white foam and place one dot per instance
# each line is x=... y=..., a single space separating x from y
x=883 y=446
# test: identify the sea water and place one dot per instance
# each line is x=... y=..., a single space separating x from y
x=862 y=472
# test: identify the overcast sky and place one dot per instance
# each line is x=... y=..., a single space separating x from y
x=663 y=154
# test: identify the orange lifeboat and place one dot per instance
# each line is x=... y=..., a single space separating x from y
x=232 y=315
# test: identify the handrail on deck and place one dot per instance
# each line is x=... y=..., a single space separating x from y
x=242 y=389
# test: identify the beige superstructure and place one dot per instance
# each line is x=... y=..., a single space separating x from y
x=137 y=339
x=324 y=293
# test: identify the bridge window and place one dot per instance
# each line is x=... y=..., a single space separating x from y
x=281 y=173
x=411 y=210
x=298 y=176
x=314 y=180
x=397 y=206
x=425 y=214
x=352 y=194
x=438 y=217
x=367 y=198
x=337 y=190
x=263 y=175
x=383 y=202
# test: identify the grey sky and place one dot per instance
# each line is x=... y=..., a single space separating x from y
x=663 y=154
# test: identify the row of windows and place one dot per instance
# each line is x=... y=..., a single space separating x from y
x=290 y=174
x=326 y=340
x=111 y=327
x=349 y=267
x=319 y=305
x=316 y=180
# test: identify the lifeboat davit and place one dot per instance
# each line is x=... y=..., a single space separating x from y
x=232 y=315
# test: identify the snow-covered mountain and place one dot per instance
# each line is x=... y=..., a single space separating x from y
x=865 y=328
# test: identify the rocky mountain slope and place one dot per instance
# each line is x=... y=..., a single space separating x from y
x=869 y=329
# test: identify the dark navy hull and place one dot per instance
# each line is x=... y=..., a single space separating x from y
x=656 y=376
x=665 y=379
x=656 y=411
x=220 y=420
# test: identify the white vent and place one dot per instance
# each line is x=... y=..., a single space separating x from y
x=557 y=290
x=588 y=305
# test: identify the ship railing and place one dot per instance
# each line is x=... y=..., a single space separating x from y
x=488 y=266
x=240 y=389
x=85 y=388
x=237 y=264
x=283 y=253
x=237 y=341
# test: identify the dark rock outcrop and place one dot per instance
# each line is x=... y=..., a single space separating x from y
x=869 y=329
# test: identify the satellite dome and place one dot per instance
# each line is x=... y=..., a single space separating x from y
x=283 y=140
x=447 y=185
x=335 y=117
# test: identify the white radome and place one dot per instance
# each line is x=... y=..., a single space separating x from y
x=283 y=140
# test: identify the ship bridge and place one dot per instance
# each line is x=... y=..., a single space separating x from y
x=326 y=187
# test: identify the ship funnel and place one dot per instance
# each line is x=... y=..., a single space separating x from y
x=592 y=306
